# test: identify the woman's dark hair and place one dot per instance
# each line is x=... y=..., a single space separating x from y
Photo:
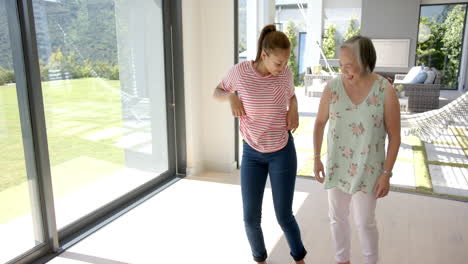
x=363 y=50
x=271 y=39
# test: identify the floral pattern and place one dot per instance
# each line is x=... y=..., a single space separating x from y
x=333 y=170
x=357 y=129
x=373 y=100
x=382 y=86
x=354 y=132
x=334 y=115
x=334 y=97
x=334 y=134
x=369 y=169
x=378 y=121
x=351 y=107
x=366 y=150
x=346 y=185
x=363 y=187
x=352 y=169
x=347 y=152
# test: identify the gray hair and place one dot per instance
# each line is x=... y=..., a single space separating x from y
x=364 y=51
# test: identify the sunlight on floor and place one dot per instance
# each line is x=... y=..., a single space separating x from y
x=194 y=222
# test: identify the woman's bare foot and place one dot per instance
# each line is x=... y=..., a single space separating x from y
x=300 y=262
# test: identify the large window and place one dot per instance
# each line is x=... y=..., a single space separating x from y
x=242 y=29
x=89 y=101
x=340 y=24
x=440 y=40
x=102 y=67
x=20 y=217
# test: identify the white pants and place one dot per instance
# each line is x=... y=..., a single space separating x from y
x=363 y=206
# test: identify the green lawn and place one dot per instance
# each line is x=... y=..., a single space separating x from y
x=74 y=110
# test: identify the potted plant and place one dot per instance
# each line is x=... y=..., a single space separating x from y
x=400 y=90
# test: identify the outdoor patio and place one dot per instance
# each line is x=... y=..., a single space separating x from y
x=439 y=169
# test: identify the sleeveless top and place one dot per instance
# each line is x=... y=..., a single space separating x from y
x=356 y=138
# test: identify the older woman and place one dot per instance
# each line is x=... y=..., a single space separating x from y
x=363 y=109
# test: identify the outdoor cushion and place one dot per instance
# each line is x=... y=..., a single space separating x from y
x=420 y=77
x=430 y=77
x=412 y=74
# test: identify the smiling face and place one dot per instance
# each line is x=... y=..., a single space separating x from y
x=349 y=65
x=276 y=60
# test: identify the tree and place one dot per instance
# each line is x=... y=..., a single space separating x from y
x=85 y=28
x=292 y=35
x=353 y=29
x=429 y=50
x=6 y=59
x=452 y=44
x=242 y=45
x=440 y=42
x=6 y=76
x=329 y=42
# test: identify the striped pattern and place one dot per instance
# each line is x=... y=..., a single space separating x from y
x=265 y=100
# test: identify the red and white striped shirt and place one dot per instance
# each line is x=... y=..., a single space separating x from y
x=265 y=100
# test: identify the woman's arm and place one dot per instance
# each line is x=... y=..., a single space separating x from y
x=392 y=126
x=293 y=114
x=293 y=103
x=221 y=94
x=319 y=127
x=237 y=108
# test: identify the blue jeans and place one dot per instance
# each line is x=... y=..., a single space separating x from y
x=281 y=166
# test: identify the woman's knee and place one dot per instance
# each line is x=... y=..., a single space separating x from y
x=336 y=214
x=365 y=222
x=285 y=220
x=252 y=220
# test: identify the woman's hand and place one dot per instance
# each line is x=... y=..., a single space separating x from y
x=382 y=186
x=237 y=108
x=319 y=172
x=293 y=120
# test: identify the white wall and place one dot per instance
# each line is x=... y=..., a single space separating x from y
x=208 y=35
x=395 y=19
x=191 y=45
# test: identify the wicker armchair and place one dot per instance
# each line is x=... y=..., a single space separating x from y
x=421 y=97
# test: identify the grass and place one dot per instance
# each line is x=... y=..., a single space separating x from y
x=461 y=138
x=74 y=110
x=421 y=166
x=420 y=159
x=305 y=129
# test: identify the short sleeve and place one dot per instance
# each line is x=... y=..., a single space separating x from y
x=230 y=81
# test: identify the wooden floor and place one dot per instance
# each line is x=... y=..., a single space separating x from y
x=198 y=220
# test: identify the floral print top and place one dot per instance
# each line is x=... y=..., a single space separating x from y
x=356 y=138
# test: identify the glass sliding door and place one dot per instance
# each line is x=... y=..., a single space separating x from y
x=104 y=87
x=21 y=223
x=440 y=40
x=88 y=96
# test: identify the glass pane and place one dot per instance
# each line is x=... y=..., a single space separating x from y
x=102 y=67
x=242 y=27
x=440 y=40
x=20 y=220
x=340 y=24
